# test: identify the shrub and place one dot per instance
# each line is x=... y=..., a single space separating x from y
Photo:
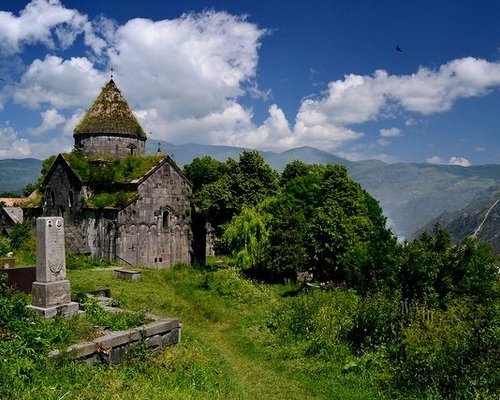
x=4 y=246
x=21 y=235
x=81 y=261
x=111 y=199
x=376 y=322
x=439 y=352
x=319 y=319
x=229 y=283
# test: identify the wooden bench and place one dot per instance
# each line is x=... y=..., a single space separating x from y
x=129 y=275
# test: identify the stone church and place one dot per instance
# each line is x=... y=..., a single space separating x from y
x=154 y=227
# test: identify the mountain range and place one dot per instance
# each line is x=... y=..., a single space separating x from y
x=411 y=195
x=480 y=219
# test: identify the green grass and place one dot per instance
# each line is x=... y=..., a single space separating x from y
x=228 y=348
x=227 y=351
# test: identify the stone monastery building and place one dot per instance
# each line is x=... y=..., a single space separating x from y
x=154 y=227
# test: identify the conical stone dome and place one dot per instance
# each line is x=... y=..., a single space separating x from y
x=110 y=113
x=109 y=127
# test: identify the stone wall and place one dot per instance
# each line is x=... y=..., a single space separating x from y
x=63 y=193
x=155 y=230
x=99 y=228
x=112 y=145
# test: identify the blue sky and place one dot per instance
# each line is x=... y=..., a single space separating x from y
x=267 y=75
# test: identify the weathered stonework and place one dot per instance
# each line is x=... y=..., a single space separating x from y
x=154 y=229
x=63 y=191
x=51 y=291
x=114 y=347
x=118 y=146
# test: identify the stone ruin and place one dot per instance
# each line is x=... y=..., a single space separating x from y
x=51 y=291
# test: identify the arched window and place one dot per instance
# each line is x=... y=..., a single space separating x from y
x=165 y=216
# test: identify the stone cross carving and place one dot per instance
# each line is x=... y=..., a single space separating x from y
x=51 y=291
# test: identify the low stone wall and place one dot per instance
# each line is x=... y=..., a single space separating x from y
x=133 y=276
x=114 y=347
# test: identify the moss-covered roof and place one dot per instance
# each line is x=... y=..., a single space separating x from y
x=110 y=114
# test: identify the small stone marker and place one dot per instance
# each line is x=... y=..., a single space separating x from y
x=133 y=276
x=51 y=291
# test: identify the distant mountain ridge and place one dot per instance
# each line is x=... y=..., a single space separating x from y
x=15 y=174
x=411 y=195
x=480 y=218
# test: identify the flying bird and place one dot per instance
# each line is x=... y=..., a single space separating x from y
x=398 y=48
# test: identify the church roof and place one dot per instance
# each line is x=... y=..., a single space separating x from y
x=15 y=214
x=110 y=114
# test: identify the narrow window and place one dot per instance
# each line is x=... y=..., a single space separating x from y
x=165 y=219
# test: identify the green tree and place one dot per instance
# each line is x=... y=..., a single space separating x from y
x=435 y=271
x=246 y=182
x=338 y=245
x=293 y=170
x=29 y=188
x=287 y=243
x=204 y=170
x=8 y=194
x=247 y=237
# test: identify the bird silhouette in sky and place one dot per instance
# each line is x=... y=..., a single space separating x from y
x=398 y=48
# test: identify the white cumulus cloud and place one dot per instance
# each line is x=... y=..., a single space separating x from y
x=184 y=78
x=187 y=67
x=59 y=83
x=47 y=22
x=391 y=132
x=11 y=146
x=50 y=120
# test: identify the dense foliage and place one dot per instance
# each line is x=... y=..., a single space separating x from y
x=381 y=318
x=428 y=308
x=319 y=220
x=230 y=186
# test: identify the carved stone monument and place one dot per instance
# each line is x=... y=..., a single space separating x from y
x=51 y=291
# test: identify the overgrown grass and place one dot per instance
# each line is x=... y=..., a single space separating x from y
x=110 y=199
x=245 y=340
x=81 y=261
x=111 y=170
x=227 y=349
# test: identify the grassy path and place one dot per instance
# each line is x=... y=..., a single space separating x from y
x=224 y=353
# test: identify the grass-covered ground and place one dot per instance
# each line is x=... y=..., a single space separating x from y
x=245 y=340
x=227 y=350
x=230 y=346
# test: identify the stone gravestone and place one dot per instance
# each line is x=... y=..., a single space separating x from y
x=51 y=291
